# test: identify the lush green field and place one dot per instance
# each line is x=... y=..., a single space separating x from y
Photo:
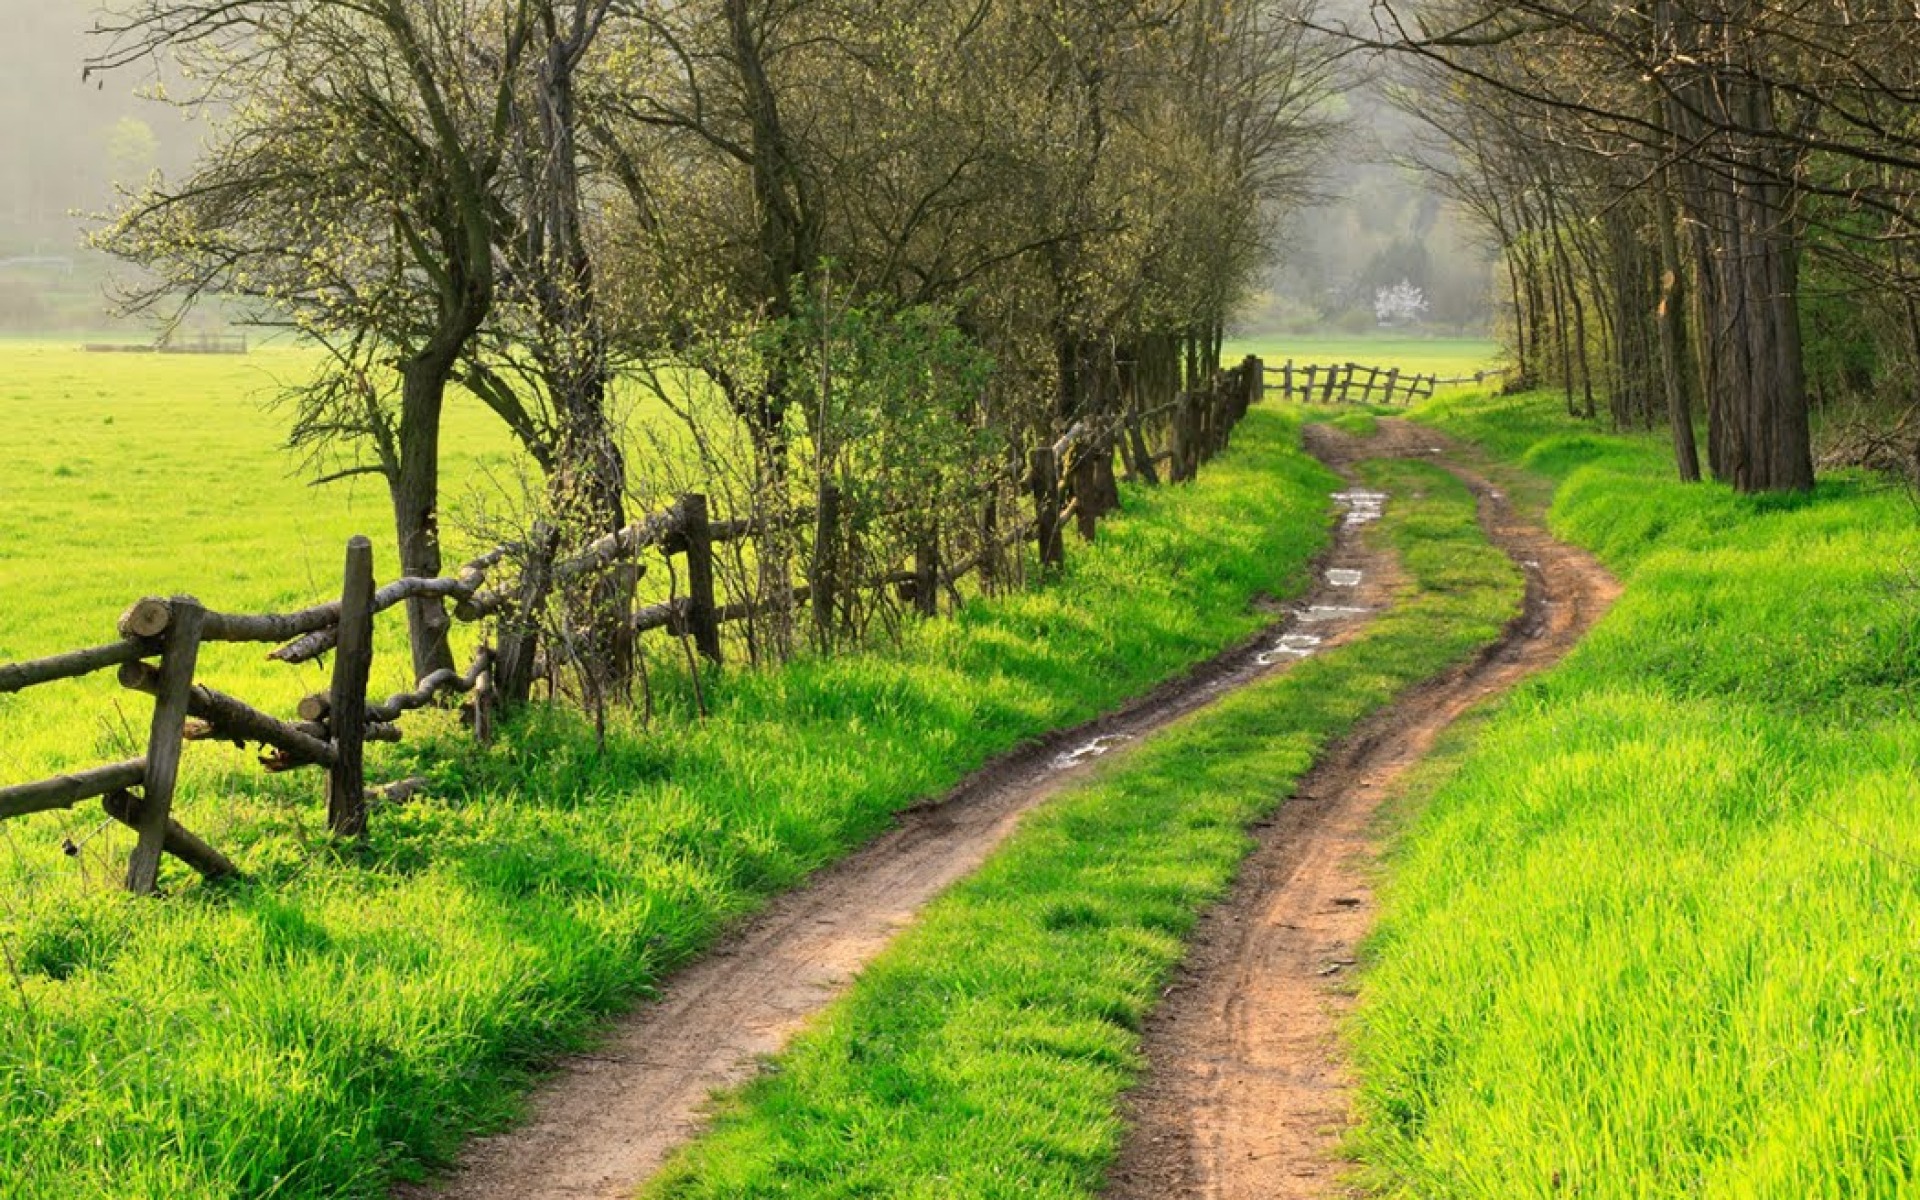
x=1445 y=357
x=1651 y=929
x=132 y=475
x=347 y=1016
x=984 y=1054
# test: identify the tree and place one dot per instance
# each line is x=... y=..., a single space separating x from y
x=351 y=188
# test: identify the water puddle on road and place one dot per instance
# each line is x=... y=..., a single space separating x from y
x=1092 y=750
x=1332 y=612
x=1345 y=579
x=1292 y=648
x=1363 y=507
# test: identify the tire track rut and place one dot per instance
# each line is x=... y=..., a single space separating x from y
x=1247 y=1093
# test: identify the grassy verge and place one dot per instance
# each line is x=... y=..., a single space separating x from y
x=1651 y=930
x=335 y=1022
x=984 y=1055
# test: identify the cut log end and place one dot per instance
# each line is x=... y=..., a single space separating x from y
x=148 y=617
x=138 y=676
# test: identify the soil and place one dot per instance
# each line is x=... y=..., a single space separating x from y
x=604 y=1122
x=1247 y=1094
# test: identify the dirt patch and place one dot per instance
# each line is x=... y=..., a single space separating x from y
x=1247 y=1094
x=606 y=1121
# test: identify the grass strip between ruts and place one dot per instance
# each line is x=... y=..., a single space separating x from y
x=985 y=1053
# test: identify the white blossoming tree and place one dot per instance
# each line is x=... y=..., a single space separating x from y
x=1401 y=304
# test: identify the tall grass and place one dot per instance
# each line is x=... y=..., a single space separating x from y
x=347 y=1016
x=985 y=1053
x=1651 y=930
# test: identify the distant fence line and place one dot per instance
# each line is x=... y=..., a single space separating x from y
x=160 y=639
x=1353 y=383
x=200 y=343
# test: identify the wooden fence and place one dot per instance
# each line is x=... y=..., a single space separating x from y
x=1352 y=383
x=159 y=642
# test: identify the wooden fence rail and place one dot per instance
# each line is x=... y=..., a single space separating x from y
x=158 y=652
x=1353 y=383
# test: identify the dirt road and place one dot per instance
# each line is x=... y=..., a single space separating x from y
x=1247 y=1094
x=605 y=1122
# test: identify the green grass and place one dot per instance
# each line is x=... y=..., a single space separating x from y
x=1442 y=356
x=985 y=1053
x=344 y=1017
x=1651 y=930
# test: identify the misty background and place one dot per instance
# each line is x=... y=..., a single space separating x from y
x=66 y=142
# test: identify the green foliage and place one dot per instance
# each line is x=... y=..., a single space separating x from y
x=1649 y=929
x=984 y=1054
x=345 y=1016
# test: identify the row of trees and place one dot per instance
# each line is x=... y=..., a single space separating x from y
x=1703 y=203
x=870 y=251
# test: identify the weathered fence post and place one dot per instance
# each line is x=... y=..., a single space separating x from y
x=1137 y=452
x=1095 y=493
x=1044 y=473
x=483 y=698
x=1393 y=383
x=520 y=627
x=179 y=655
x=703 y=619
x=1333 y=377
x=347 y=701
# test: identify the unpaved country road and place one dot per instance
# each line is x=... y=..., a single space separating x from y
x=1246 y=1095
x=605 y=1122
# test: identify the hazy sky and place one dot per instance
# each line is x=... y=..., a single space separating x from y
x=62 y=140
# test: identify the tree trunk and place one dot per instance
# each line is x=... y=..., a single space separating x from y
x=415 y=492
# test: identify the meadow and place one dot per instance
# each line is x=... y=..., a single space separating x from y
x=351 y=1014
x=134 y=475
x=1649 y=924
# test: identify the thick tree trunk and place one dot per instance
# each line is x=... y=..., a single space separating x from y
x=1759 y=433
x=1672 y=323
x=415 y=492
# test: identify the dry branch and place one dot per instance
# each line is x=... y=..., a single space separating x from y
x=621 y=544
x=433 y=685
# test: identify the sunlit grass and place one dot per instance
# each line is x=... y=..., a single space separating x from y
x=1650 y=931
